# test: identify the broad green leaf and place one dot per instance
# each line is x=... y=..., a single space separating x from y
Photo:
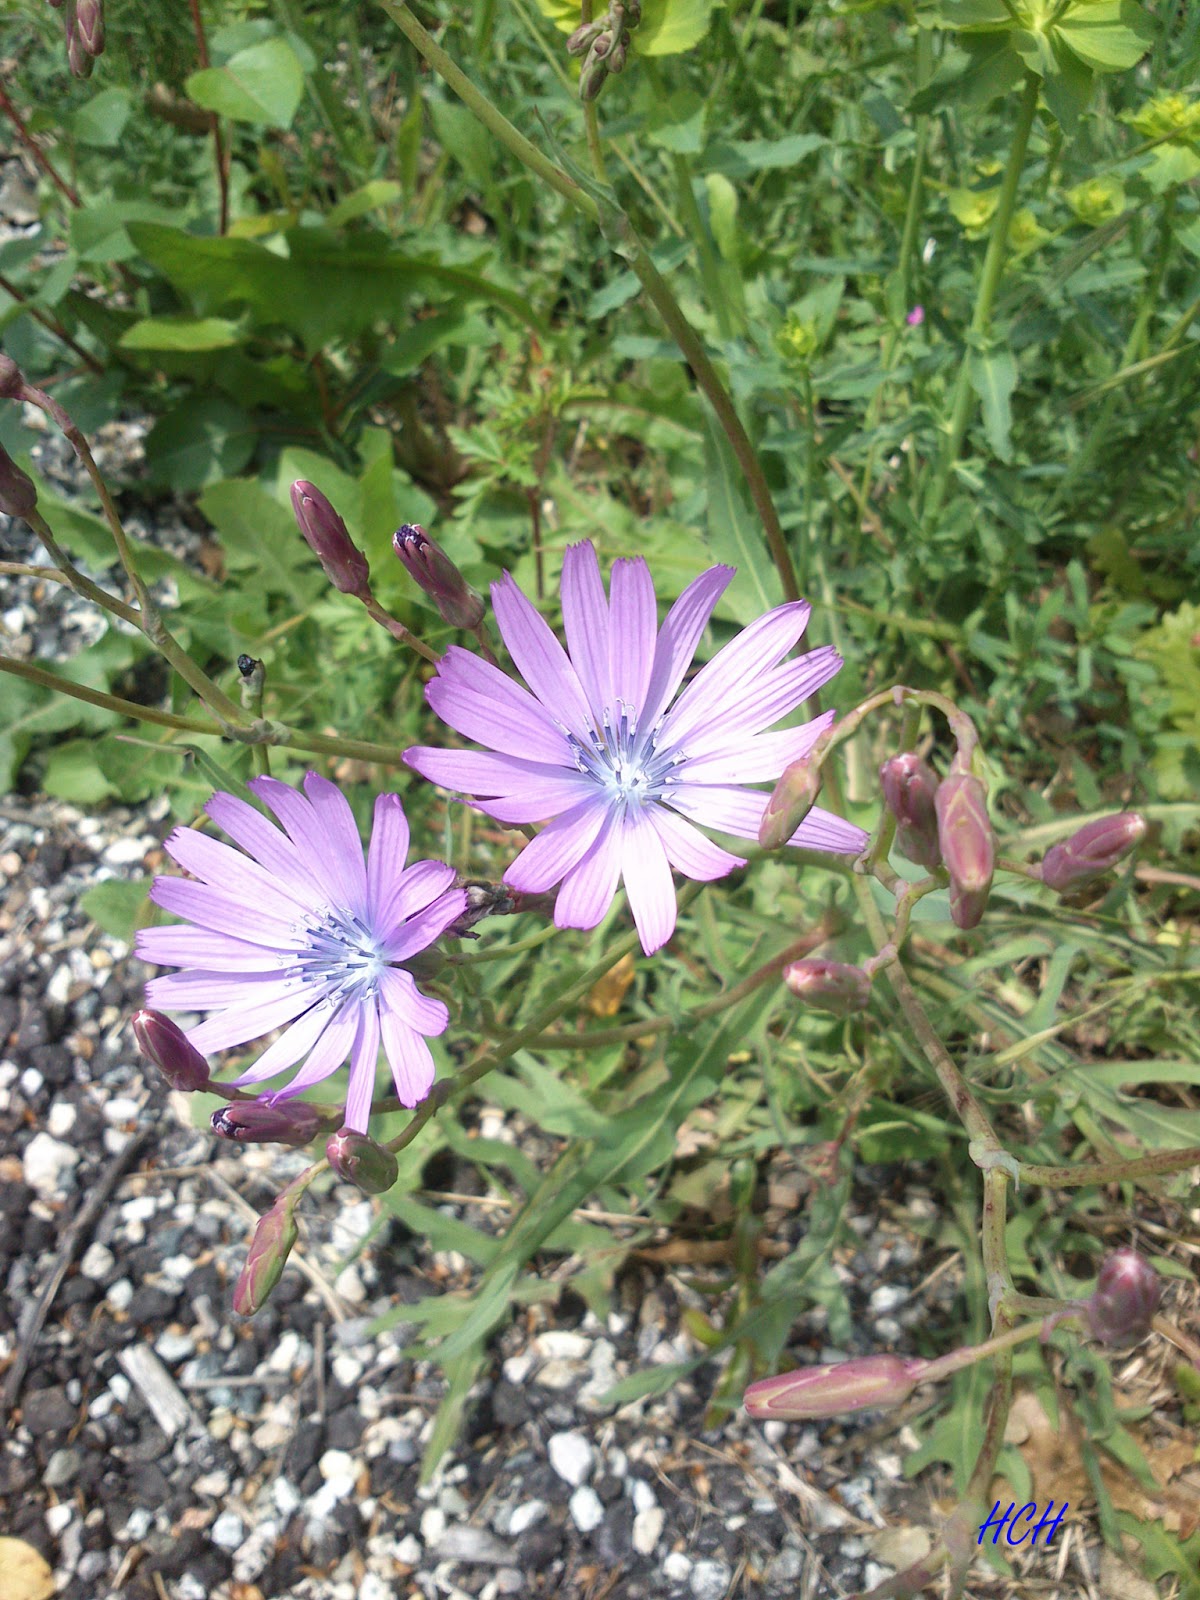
x=202 y=439
x=101 y=121
x=992 y=67
x=737 y=158
x=669 y=26
x=182 y=333
x=1110 y=35
x=262 y=85
x=72 y=774
x=116 y=905
x=993 y=376
x=734 y=533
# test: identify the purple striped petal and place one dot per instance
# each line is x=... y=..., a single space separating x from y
x=387 y=850
x=540 y=799
x=240 y=1023
x=492 y=722
x=588 y=889
x=197 y=990
x=739 y=811
x=585 y=618
x=233 y=873
x=416 y=888
x=400 y=995
x=422 y=928
x=408 y=1056
x=222 y=913
x=561 y=845
x=336 y=822
x=751 y=653
x=821 y=830
x=481 y=686
x=329 y=1052
x=632 y=627
x=532 y=791
x=761 y=757
x=181 y=945
x=646 y=874
x=688 y=851
x=679 y=636
x=364 y=1058
x=269 y=845
x=539 y=657
x=300 y=820
x=292 y=1043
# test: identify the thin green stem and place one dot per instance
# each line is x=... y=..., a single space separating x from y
x=985 y=298
x=1157 y=1165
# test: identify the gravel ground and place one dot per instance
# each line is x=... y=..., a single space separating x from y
x=161 y=1449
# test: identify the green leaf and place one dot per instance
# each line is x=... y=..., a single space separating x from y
x=72 y=774
x=722 y=214
x=740 y=157
x=182 y=333
x=677 y=123
x=1110 y=35
x=201 y=439
x=669 y=26
x=371 y=197
x=993 y=376
x=101 y=121
x=117 y=905
x=734 y=533
x=992 y=68
x=262 y=85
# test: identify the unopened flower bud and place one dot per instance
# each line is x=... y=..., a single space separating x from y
x=344 y=564
x=432 y=569
x=18 y=497
x=584 y=37
x=371 y=1167
x=89 y=19
x=483 y=900
x=617 y=56
x=792 y=798
x=828 y=1391
x=594 y=72
x=291 y=1122
x=165 y=1044
x=79 y=59
x=909 y=785
x=1121 y=1308
x=967 y=844
x=270 y=1247
x=829 y=985
x=1093 y=851
x=12 y=379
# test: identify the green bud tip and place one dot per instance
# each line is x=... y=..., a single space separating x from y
x=792 y=798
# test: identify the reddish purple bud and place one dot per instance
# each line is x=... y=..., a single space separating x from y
x=916 y=316
x=584 y=37
x=270 y=1246
x=345 y=566
x=371 y=1167
x=432 y=569
x=12 y=379
x=1127 y=1292
x=18 y=497
x=828 y=1391
x=1093 y=851
x=89 y=19
x=967 y=844
x=909 y=786
x=291 y=1122
x=829 y=985
x=792 y=798
x=78 y=59
x=165 y=1044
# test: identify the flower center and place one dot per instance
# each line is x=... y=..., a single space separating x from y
x=339 y=951
x=626 y=763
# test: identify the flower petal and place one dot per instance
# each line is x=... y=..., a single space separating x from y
x=269 y=845
x=241 y=1023
x=308 y=835
x=752 y=652
x=588 y=889
x=336 y=822
x=759 y=758
x=632 y=626
x=408 y=1056
x=232 y=872
x=688 y=851
x=181 y=945
x=739 y=811
x=416 y=888
x=484 y=704
x=387 y=850
x=400 y=995
x=329 y=1052
x=198 y=990
x=561 y=845
x=479 y=772
x=223 y=913
x=646 y=873
x=539 y=657
x=585 y=618
x=821 y=830
x=291 y=1044
x=364 y=1058
x=422 y=928
x=678 y=637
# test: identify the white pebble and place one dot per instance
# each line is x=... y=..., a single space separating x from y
x=677 y=1568
x=561 y=1344
x=120 y=1294
x=98 y=1261
x=228 y=1530
x=710 y=1580
x=643 y=1496
x=524 y=1516
x=887 y=1297
x=121 y=1109
x=139 y=1209
x=647 y=1530
x=57 y=1517
x=172 y=1347
x=571 y=1456
x=46 y=1161
x=61 y=1119
x=125 y=852
x=32 y=1082
x=287 y=1497
x=587 y=1509
x=408 y=1551
x=433 y=1525
x=337 y=1464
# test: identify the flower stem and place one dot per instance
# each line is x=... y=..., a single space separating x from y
x=985 y=298
x=1159 y=1164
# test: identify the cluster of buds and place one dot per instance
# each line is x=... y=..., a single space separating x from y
x=604 y=45
x=83 y=23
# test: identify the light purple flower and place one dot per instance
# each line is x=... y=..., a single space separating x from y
x=299 y=934
x=607 y=747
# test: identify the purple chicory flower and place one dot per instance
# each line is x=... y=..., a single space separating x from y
x=604 y=745
x=299 y=934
